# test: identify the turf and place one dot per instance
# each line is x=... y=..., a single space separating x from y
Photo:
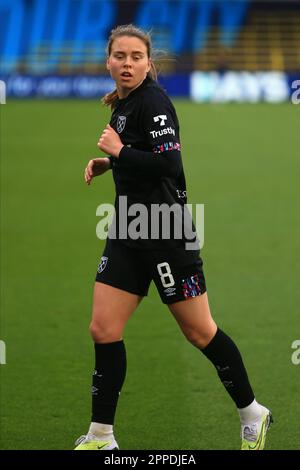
x=242 y=162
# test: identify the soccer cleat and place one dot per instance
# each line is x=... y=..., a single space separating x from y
x=91 y=442
x=254 y=438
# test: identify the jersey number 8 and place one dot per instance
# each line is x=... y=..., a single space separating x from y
x=166 y=277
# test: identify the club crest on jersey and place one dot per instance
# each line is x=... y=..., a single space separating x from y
x=102 y=264
x=121 y=123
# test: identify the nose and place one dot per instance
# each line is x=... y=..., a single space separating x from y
x=128 y=61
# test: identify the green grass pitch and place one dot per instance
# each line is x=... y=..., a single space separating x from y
x=242 y=162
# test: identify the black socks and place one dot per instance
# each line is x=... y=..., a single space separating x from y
x=110 y=371
x=226 y=358
x=108 y=378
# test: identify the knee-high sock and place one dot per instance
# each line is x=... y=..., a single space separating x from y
x=226 y=358
x=108 y=378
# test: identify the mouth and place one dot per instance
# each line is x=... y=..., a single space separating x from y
x=126 y=75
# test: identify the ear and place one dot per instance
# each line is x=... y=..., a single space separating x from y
x=149 y=65
x=107 y=63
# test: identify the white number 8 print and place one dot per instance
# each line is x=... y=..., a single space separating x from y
x=166 y=277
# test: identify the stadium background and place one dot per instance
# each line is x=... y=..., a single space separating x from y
x=232 y=68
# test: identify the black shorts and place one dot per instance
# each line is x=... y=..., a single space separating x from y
x=177 y=273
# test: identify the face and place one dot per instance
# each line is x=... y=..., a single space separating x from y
x=128 y=63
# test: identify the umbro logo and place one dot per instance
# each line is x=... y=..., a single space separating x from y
x=162 y=118
x=170 y=291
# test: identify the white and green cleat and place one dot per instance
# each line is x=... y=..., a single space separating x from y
x=254 y=436
x=91 y=442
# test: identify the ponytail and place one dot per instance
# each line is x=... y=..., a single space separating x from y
x=110 y=99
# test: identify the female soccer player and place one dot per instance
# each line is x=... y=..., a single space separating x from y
x=142 y=141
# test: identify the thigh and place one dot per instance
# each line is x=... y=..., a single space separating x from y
x=112 y=308
x=123 y=268
x=121 y=283
x=178 y=275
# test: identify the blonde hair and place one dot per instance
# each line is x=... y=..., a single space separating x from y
x=128 y=30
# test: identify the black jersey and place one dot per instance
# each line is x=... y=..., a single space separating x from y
x=149 y=169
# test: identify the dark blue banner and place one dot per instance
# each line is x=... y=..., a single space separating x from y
x=210 y=87
x=80 y=86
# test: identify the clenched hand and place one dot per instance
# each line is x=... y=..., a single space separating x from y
x=110 y=142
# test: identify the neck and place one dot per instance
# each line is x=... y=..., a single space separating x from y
x=124 y=92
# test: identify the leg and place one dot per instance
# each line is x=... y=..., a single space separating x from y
x=195 y=320
x=112 y=308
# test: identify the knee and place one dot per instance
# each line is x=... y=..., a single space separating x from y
x=200 y=339
x=101 y=333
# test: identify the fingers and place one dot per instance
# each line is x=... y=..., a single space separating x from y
x=90 y=167
x=87 y=177
x=88 y=172
x=104 y=144
x=104 y=141
x=106 y=132
x=100 y=142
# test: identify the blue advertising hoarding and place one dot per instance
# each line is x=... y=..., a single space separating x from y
x=212 y=87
